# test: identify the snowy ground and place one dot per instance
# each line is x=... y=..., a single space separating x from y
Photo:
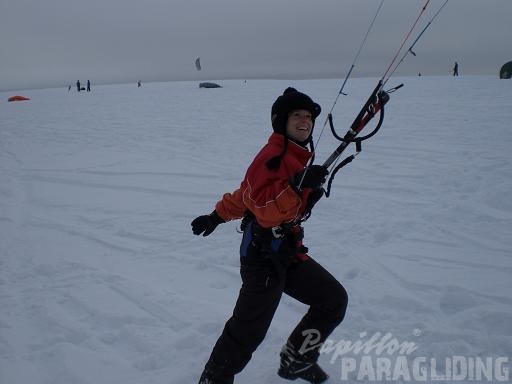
x=102 y=281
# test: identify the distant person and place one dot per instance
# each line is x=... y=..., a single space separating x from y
x=69 y=87
x=78 y=85
x=456 y=69
x=88 y=86
x=419 y=73
x=139 y=84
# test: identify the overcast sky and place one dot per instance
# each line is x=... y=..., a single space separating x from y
x=56 y=42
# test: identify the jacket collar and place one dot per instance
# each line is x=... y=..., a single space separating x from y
x=296 y=150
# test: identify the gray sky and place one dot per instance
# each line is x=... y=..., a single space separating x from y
x=55 y=42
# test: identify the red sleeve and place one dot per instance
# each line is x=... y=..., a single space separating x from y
x=231 y=206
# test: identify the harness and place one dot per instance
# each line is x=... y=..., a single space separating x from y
x=282 y=243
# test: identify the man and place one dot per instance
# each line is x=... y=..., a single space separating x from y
x=277 y=192
x=456 y=69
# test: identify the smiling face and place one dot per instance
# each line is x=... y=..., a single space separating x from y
x=299 y=125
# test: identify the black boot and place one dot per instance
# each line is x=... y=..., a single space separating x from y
x=212 y=375
x=300 y=366
x=206 y=378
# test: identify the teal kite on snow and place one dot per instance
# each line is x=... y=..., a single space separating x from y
x=506 y=71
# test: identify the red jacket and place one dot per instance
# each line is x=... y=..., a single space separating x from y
x=268 y=193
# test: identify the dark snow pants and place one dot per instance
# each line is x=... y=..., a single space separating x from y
x=262 y=287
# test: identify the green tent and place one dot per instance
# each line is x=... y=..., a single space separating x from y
x=506 y=71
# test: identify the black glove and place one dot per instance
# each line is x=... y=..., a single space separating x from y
x=206 y=223
x=314 y=178
x=313 y=198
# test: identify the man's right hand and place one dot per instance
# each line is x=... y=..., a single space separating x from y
x=206 y=224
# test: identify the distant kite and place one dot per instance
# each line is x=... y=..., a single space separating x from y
x=17 y=98
x=209 y=85
x=506 y=71
x=198 y=63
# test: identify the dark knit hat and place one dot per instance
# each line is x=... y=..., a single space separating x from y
x=289 y=101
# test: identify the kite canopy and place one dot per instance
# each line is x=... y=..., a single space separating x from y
x=506 y=71
x=17 y=98
x=209 y=85
x=206 y=84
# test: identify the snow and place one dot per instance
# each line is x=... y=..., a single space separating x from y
x=102 y=281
